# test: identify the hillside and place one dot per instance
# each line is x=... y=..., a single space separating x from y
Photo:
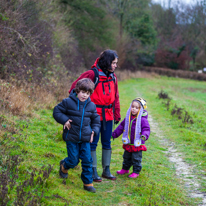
x=45 y=45
x=37 y=139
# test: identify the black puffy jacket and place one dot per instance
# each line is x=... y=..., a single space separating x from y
x=83 y=115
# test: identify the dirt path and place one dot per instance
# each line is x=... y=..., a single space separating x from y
x=184 y=171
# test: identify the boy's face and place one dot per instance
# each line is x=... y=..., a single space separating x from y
x=135 y=108
x=83 y=96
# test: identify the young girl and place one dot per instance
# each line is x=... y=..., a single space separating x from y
x=136 y=131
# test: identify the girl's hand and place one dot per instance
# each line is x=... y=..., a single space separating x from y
x=92 y=135
x=67 y=124
x=143 y=138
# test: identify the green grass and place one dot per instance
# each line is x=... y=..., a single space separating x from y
x=157 y=183
x=188 y=94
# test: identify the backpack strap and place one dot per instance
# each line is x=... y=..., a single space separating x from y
x=114 y=79
x=96 y=78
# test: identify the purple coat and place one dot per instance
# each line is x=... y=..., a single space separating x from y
x=145 y=128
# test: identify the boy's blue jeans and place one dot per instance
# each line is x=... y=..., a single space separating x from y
x=81 y=151
x=105 y=136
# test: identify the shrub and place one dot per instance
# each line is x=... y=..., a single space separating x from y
x=26 y=43
x=29 y=191
x=163 y=95
x=181 y=113
x=174 y=54
x=175 y=73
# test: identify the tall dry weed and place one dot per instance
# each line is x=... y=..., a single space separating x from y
x=127 y=74
x=19 y=102
x=176 y=73
x=13 y=99
x=23 y=99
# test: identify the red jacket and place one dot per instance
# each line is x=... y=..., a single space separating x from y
x=109 y=113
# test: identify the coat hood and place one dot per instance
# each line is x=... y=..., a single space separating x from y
x=95 y=63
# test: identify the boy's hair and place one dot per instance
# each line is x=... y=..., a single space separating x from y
x=106 y=58
x=85 y=85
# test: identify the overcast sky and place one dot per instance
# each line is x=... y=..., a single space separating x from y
x=165 y=2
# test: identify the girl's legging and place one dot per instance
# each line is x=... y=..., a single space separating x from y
x=132 y=159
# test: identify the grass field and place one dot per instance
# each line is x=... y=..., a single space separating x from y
x=157 y=183
x=187 y=94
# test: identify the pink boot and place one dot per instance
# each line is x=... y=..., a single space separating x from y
x=133 y=175
x=122 y=171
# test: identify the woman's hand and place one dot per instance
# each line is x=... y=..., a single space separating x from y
x=67 y=124
x=92 y=135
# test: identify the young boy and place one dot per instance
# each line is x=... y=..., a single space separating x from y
x=81 y=122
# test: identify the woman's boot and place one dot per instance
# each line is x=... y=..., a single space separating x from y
x=95 y=176
x=106 y=159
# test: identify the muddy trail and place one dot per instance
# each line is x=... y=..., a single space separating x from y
x=184 y=171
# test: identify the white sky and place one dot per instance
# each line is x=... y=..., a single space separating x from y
x=165 y=2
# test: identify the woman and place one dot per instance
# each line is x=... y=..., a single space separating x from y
x=106 y=98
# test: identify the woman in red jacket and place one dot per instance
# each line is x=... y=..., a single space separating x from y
x=106 y=98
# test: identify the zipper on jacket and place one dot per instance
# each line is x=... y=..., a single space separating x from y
x=103 y=87
x=82 y=121
x=109 y=88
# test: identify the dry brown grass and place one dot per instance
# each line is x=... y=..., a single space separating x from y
x=12 y=98
x=24 y=99
x=176 y=73
x=127 y=74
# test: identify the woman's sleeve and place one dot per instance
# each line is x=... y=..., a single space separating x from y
x=117 y=116
x=88 y=74
x=119 y=130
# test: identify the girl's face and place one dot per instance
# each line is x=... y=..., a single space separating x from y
x=135 y=108
x=113 y=65
x=83 y=96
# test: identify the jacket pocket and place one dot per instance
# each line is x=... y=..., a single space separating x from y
x=66 y=135
x=86 y=133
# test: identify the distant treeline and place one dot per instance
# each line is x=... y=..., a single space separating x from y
x=43 y=41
